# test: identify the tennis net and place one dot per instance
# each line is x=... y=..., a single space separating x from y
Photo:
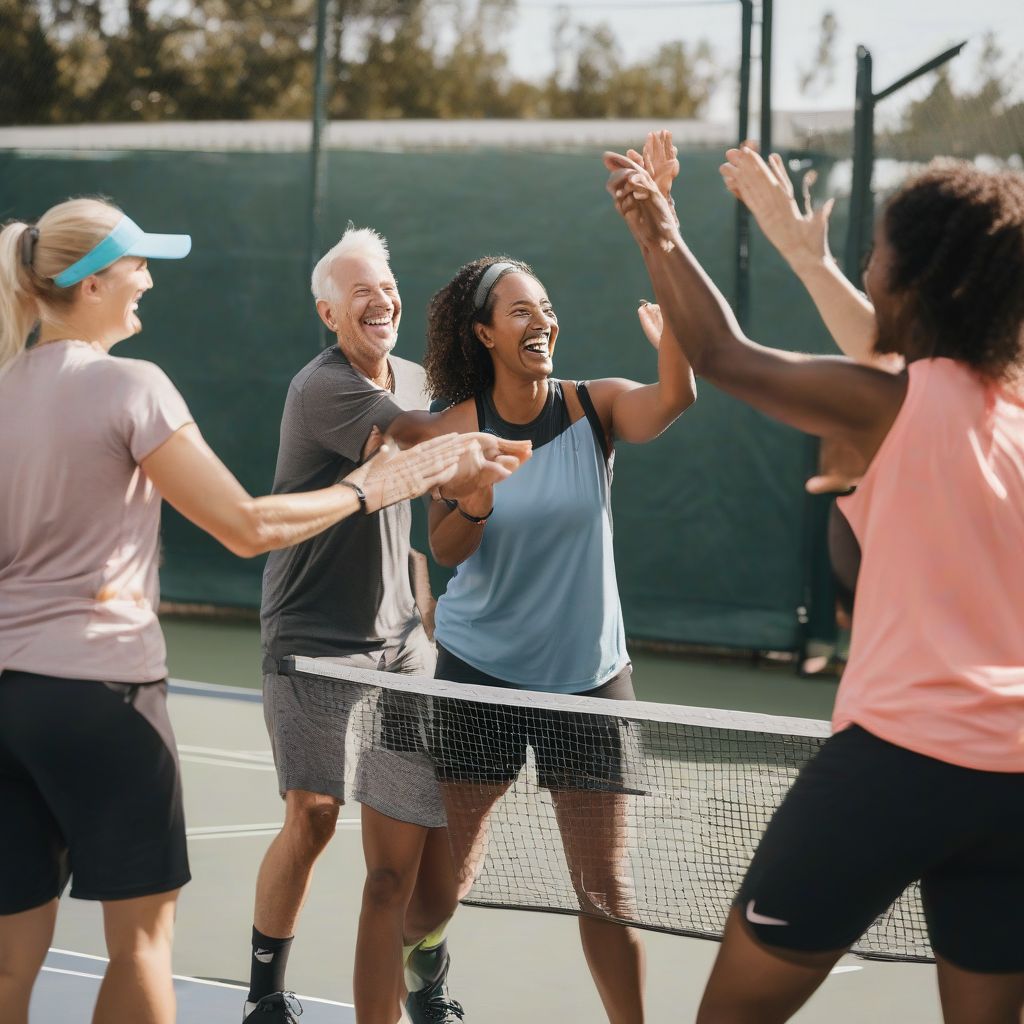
x=644 y=814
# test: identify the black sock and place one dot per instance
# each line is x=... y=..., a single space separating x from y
x=427 y=965
x=269 y=959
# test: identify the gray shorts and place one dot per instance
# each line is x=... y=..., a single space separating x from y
x=308 y=721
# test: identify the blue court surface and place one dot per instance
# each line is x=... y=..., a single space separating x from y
x=504 y=962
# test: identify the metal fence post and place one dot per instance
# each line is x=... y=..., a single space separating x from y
x=317 y=156
x=742 y=265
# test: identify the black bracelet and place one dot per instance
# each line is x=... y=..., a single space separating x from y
x=478 y=520
x=360 y=494
x=453 y=506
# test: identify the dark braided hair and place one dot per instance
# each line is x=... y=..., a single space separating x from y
x=957 y=239
x=457 y=364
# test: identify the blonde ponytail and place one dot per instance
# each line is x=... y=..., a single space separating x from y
x=66 y=232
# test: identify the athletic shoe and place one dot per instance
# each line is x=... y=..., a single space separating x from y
x=432 y=1005
x=277 y=1008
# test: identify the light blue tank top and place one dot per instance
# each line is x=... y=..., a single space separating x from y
x=537 y=604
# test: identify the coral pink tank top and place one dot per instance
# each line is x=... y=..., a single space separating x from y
x=937 y=654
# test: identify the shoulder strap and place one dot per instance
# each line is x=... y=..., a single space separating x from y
x=481 y=411
x=592 y=417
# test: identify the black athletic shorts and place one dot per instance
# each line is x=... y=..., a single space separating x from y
x=89 y=786
x=864 y=820
x=486 y=743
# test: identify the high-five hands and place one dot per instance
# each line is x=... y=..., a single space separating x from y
x=485 y=462
x=391 y=475
x=660 y=159
x=640 y=202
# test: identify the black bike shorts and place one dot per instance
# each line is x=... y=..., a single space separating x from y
x=865 y=819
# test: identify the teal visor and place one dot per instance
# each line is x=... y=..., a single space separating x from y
x=127 y=239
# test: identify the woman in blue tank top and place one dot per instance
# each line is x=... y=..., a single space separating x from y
x=533 y=603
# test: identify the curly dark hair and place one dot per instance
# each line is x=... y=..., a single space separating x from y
x=457 y=364
x=957 y=240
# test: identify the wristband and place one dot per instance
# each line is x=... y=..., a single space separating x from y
x=360 y=494
x=453 y=506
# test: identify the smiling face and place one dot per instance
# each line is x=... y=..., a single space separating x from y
x=523 y=328
x=365 y=310
x=114 y=295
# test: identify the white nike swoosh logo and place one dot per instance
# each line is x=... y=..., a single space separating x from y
x=755 y=918
x=265 y=956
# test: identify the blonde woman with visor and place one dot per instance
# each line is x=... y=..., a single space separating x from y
x=90 y=443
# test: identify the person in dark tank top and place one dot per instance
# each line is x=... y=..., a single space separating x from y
x=534 y=602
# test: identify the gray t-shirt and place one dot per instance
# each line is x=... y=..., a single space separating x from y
x=347 y=589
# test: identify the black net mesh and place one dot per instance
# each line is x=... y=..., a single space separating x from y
x=648 y=816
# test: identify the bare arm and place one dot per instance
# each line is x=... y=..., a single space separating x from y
x=640 y=412
x=821 y=395
x=419 y=577
x=453 y=537
x=189 y=475
x=801 y=237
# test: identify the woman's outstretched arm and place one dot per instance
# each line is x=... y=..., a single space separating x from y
x=801 y=237
x=190 y=477
x=820 y=395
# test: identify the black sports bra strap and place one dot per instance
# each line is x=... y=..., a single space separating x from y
x=481 y=411
x=595 y=421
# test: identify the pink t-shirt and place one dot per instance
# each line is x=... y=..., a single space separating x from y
x=937 y=655
x=79 y=520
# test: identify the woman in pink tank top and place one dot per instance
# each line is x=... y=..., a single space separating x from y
x=90 y=443
x=923 y=778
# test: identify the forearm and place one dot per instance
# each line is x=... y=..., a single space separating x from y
x=641 y=412
x=698 y=319
x=846 y=312
x=819 y=395
x=281 y=520
x=677 y=388
x=453 y=537
x=419 y=577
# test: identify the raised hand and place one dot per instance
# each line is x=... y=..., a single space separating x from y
x=801 y=236
x=660 y=158
x=651 y=321
x=637 y=198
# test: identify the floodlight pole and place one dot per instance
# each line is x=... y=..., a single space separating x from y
x=861 y=196
x=766 y=77
x=317 y=156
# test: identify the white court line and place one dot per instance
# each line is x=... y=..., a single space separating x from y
x=258 y=756
x=253 y=760
x=845 y=969
x=77 y=974
x=177 y=977
x=224 y=763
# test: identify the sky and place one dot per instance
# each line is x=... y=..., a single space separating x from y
x=901 y=35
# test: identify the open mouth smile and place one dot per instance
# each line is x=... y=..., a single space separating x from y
x=539 y=345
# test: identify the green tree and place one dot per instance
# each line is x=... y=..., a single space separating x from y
x=982 y=118
x=28 y=66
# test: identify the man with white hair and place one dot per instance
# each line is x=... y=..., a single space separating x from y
x=345 y=594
